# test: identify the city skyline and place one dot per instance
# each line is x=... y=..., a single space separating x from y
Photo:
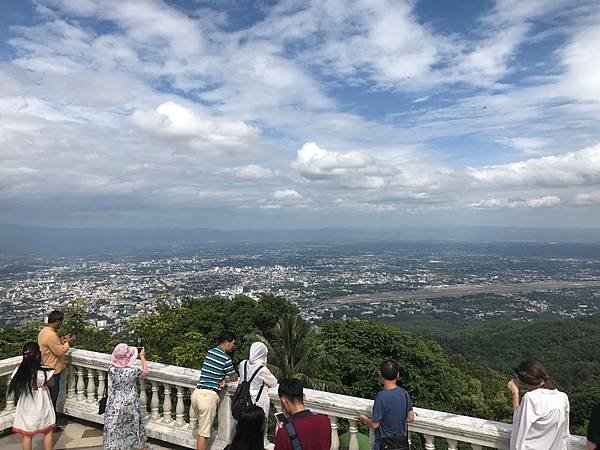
x=330 y=281
x=299 y=114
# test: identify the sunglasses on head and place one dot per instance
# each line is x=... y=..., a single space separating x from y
x=519 y=373
x=517 y=376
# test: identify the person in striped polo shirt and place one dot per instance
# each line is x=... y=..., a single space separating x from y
x=216 y=369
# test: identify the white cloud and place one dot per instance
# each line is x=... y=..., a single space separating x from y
x=252 y=79
x=403 y=171
x=283 y=198
x=383 y=42
x=390 y=43
x=25 y=106
x=255 y=99
x=528 y=145
x=489 y=60
x=315 y=162
x=378 y=41
x=549 y=200
x=580 y=57
x=587 y=198
x=517 y=203
x=577 y=168
x=53 y=46
x=252 y=172
x=288 y=195
x=517 y=10
x=421 y=99
x=145 y=21
x=176 y=121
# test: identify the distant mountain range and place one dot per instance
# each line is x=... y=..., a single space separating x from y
x=16 y=239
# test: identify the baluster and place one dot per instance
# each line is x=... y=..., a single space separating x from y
x=91 y=386
x=193 y=419
x=335 y=439
x=10 y=399
x=225 y=418
x=180 y=408
x=71 y=383
x=353 y=436
x=154 y=414
x=429 y=442
x=476 y=447
x=452 y=444
x=143 y=398
x=167 y=403
x=101 y=385
x=80 y=384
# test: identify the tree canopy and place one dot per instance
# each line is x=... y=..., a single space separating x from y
x=464 y=370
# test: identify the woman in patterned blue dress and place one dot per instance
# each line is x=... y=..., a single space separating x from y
x=123 y=424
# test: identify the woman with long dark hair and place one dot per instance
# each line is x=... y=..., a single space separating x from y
x=541 y=412
x=250 y=430
x=34 y=413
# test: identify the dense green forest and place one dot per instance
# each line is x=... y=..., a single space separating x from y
x=568 y=348
x=460 y=369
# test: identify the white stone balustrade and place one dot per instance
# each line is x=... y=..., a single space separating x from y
x=86 y=383
x=7 y=366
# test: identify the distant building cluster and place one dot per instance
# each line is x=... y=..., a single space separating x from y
x=115 y=288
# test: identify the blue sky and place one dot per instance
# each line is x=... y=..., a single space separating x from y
x=300 y=114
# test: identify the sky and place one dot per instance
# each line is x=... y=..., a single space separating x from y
x=299 y=114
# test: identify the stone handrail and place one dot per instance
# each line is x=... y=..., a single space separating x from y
x=164 y=400
x=7 y=366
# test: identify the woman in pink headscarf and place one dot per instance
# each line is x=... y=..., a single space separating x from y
x=123 y=425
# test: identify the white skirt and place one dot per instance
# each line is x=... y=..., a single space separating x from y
x=34 y=414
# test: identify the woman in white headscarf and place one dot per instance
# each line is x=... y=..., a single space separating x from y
x=263 y=380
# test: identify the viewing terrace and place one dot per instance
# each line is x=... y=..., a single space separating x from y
x=164 y=398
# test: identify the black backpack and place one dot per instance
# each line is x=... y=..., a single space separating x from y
x=241 y=397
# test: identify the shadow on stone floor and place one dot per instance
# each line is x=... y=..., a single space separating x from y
x=76 y=434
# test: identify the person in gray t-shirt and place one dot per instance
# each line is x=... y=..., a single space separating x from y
x=392 y=409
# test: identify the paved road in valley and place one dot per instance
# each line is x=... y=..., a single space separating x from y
x=461 y=290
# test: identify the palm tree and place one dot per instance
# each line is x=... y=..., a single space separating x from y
x=294 y=352
x=293 y=355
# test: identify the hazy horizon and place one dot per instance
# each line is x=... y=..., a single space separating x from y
x=307 y=228
x=19 y=240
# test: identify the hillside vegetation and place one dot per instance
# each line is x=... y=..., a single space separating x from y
x=569 y=349
x=464 y=372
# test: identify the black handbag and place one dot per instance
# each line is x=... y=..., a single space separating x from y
x=102 y=405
